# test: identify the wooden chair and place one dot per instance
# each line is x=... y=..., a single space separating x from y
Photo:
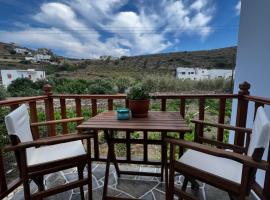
x=36 y=158
x=224 y=169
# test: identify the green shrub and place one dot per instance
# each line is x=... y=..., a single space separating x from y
x=3 y=93
x=139 y=92
x=22 y=87
x=3 y=131
x=102 y=86
x=123 y=83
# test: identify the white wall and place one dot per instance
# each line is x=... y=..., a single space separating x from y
x=253 y=55
x=35 y=75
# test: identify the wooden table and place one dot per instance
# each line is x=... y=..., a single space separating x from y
x=157 y=121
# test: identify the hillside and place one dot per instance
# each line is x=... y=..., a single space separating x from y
x=165 y=63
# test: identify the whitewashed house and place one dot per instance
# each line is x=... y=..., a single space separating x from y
x=10 y=75
x=201 y=73
x=21 y=50
x=42 y=57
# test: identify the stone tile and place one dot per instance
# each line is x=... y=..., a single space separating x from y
x=60 y=196
x=135 y=188
x=149 y=196
x=71 y=170
x=99 y=172
x=212 y=193
x=97 y=193
x=18 y=195
x=112 y=179
x=159 y=195
x=76 y=196
x=72 y=177
x=146 y=169
x=55 y=180
x=161 y=187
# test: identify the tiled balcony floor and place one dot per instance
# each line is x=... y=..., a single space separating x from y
x=142 y=187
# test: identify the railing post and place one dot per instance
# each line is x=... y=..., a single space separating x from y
x=266 y=190
x=241 y=117
x=49 y=110
x=3 y=183
x=34 y=118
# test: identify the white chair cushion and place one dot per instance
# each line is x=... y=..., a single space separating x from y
x=260 y=132
x=222 y=167
x=54 y=152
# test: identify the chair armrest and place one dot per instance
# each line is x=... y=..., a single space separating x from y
x=225 y=126
x=48 y=141
x=219 y=153
x=76 y=119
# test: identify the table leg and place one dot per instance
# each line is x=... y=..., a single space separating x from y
x=109 y=138
x=105 y=188
x=163 y=154
x=181 y=149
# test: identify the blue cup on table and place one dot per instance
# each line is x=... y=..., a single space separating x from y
x=123 y=114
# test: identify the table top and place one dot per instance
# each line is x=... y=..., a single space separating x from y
x=156 y=121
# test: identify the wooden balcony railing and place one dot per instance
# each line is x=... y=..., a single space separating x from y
x=47 y=102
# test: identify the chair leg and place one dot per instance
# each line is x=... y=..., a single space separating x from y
x=26 y=189
x=80 y=174
x=39 y=182
x=170 y=194
x=184 y=186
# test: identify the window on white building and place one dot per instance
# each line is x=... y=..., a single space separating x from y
x=9 y=76
x=183 y=73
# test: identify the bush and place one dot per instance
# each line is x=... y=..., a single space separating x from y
x=102 y=86
x=123 y=83
x=22 y=87
x=3 y=132
x=3 y=93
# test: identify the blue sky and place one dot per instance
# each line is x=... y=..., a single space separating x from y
x=91 y=28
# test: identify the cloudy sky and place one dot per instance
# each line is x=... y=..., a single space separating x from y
x=91 y=28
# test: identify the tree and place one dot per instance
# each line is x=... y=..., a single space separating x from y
x=22 y=87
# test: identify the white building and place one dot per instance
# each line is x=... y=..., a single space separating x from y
x=41 y=57
x=201 y=73
x=10 y=75
x=21 y=50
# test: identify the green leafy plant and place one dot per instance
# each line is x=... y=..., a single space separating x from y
x=3 y=93
x=139 y=92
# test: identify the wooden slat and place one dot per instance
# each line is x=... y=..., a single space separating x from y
x=94 y=107
x=110 y=104
x=3 y=183
x=34 y=119
x=156 y=121
x=53 y=122
x=145 y=146
x=128 y=145
x=241 y=116
x=266 y=187
x=64 y=115
x=221 y=118
x=96 y=145
x=183 y=107
x=49 y=112
x=163 y=104
x=201 y=115
x=78 y=111
x=127 y=103
x=21 y=100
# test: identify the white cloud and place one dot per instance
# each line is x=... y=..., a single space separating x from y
x=84 y=28
x=238 y=8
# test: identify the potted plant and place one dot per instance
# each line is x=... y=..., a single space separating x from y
x=139 y=100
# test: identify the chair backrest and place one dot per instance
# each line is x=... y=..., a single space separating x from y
x=18 y=124
x=260 y=132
